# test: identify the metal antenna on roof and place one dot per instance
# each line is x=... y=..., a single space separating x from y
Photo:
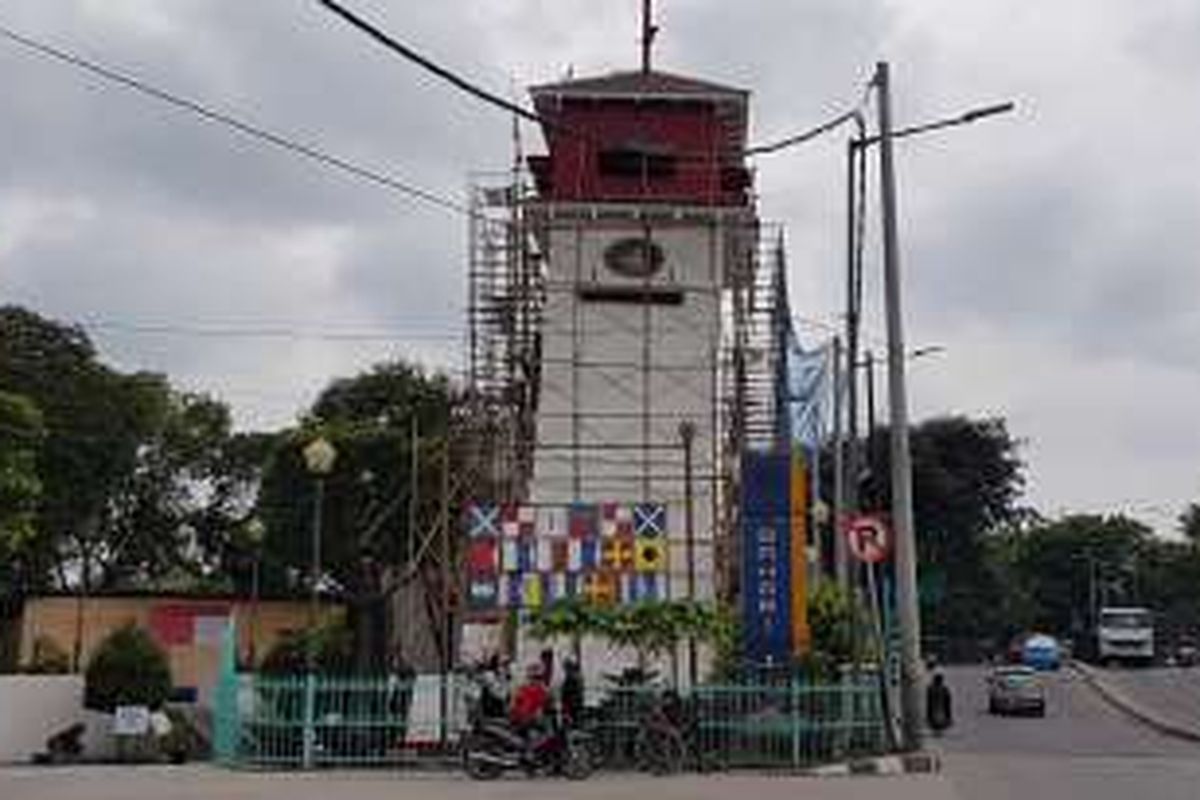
x=649 y=29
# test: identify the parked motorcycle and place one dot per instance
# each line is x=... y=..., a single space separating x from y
x=493 y=746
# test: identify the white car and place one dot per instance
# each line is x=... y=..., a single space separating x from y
x=1016 y=690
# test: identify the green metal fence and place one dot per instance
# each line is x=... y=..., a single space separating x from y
x=309 y=721
x=790 y=726
x=324 y=721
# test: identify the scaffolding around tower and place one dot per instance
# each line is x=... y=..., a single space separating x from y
x=527 y=398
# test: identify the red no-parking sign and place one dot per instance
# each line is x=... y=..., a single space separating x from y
x=869 y=538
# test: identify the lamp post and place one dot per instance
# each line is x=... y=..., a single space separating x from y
x=687 y=435
x=901 y=468
x=255 y=532
x=319 y=457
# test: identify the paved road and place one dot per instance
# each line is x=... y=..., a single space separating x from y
x=1082 y=748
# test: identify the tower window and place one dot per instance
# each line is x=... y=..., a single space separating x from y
x=630 y=161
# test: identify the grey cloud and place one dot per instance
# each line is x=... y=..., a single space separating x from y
x=1059 y=245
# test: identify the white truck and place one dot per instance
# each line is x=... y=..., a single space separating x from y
x=1125 y=634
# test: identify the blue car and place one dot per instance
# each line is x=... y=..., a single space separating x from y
x=1041 y=652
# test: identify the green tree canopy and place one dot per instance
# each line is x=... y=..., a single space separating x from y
x=365 y=515
x=1063 y=565
x=21 y=435
x=967 y=479
x=140 y=485
x=1189 y=523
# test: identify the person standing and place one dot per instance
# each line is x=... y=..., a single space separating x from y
x=493 y=700
x=571 y=693
x=939 y=712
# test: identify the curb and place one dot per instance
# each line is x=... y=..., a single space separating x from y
x=1123 y=703
x=923 y=763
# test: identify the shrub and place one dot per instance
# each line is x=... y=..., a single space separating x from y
x=334 y=650
x=47 y=658
x=127 y=669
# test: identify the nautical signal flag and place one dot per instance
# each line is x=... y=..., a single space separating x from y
x=483 y=520
x=651 y=555
x=616 y=519
x=551 y=521
x=600 y=587
x=650 y=519
x=483 y=557
x=484 y=593
x=582 y=520
x=517 y=520
x=532 y=590
x=618 y=553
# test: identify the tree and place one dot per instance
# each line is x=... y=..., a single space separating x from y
x=142 y=487
x=967 y=478
x=96 y=421
x=1067 y=566
x=369 y=420
x=21 y=434
x=1189 y=523
x=649 y=628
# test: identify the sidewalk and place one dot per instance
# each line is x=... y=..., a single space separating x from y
x=205 y=782
x=1166 y=701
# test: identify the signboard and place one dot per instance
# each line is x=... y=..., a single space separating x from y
x=868 y=538
x=524 y=556
x=801 y=638
x=766 y=557
x=131 y=721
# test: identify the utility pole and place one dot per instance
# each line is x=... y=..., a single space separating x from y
x=853 y=268
x=840 y=556
x=902 y=511
x=447 y=632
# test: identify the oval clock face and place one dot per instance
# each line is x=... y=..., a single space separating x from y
x=635 y=257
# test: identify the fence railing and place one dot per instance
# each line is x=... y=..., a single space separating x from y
x=321 y=721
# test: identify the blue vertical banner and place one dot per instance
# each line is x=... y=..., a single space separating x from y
x=766 y=556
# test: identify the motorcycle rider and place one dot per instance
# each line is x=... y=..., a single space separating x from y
x=531 y=700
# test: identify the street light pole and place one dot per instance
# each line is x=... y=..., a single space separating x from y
x=319 y=456
x=687 y=433
x=314 y=598
x=841 y=567
x=902 y=510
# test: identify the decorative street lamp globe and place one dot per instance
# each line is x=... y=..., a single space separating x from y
x=319 y=456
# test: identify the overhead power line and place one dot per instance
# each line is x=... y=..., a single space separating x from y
x=396 y=46
x=267 y=332
x=448 y=75
x=249 y=129
x=807 y=135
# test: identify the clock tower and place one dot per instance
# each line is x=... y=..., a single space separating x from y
x=646 y=226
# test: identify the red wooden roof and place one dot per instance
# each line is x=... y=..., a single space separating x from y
x=636 y=83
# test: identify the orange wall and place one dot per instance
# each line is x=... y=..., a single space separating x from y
x=192 y=664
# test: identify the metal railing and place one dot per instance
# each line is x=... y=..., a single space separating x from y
x=324 y=721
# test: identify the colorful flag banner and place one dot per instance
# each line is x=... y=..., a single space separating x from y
x=524 y=556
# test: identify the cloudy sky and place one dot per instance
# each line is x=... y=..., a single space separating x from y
x=1052 y=252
